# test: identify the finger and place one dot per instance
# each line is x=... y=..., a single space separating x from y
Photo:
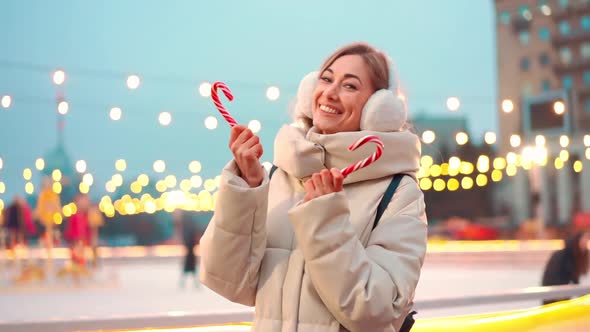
x=244 y=136
x=235 y=132
x=250 y=142
x=338 y=179
x=309 y=190
x=327 y=181
x=318 y=183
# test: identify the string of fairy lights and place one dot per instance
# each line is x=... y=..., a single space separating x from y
x=195 y=194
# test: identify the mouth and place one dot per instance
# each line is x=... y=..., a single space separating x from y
x=328 y=109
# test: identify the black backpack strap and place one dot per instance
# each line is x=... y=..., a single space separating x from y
x=387 y=197
x=272 y=170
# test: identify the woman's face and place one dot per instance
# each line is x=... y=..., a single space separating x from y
x=340 y=95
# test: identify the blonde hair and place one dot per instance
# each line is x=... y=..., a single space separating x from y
x=376 y=61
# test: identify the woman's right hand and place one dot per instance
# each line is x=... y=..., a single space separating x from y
x=247 y=151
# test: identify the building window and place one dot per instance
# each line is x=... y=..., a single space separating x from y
x=544 y=7
x=565 y=55
x=567 y=82
x=544 y=59
x=564 y=28
x=504 y=17
x=544 y=34
x=527 y=89
x=587 y=78
x=525 y=12
x=546 y=85
x=525 y=64
x=563 y=3
x=585 y=23
x=524 y=37
x=585 y=50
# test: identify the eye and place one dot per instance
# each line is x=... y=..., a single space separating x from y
x=326 y=79
x=350 y=86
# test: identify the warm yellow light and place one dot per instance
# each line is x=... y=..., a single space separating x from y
x=490 y=137
x=161 y=186
x=496 y=175
x=273 y=93
x=444 y=169
x=143 y=180
x=67 y=211
x=564 y=141
x=185 y=185
x=255 y=126
x=115 y=113
x=588 y=153
x=507 y=106
x=454 y=162
x=587 y=140
x=558 y=163
x=1 y=163
x=39 y=164
x=462 y=138
x=170 y=181
x=211 y=122
x=56 y=175
x=467 y=183
x=578 y=166
x=150 y=207
x=439 y=185
x=63 y=107
x=2 y=187
x=205 y=89
x=435 y=170
x=499 y=163
x=196 y=181
x=426 y=161
x=466 y=168
x=511 y=170
x=564 y=155
x=130 y=208
x=559 y=107
x=453 y=104
x=425 y=184
x=81 y=166
x=159 y=166
x=117 y=180
x=1 y=206
x=59 y=77
x=6 y=101
x=88 y=179
x=135 y=187
x=483 y=164
x=29 y=188
x=209 y=185
x=84 y=188
x=515 y=141
x=481 y=180
x=121 y=165
x=511 y=158
x=110 y=186
x=133 y=82
x=57 y=218
x=453 y=184
x=165 y=118
x=27 y=174
x=546 y=10
x=428 y=136
x=56 y=187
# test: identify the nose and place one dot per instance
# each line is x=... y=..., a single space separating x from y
x=331 y=91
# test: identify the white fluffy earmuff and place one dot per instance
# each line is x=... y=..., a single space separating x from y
x=383 y=112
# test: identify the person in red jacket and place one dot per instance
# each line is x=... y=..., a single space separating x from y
x=78 y=230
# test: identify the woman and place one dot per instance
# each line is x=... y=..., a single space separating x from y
x=568 y=265
x=300 y=246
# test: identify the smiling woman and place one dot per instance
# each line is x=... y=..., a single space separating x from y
x=334 y=253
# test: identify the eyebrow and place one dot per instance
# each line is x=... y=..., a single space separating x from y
x=347 y=75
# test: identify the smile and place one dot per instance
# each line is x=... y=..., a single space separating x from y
x=328 y=109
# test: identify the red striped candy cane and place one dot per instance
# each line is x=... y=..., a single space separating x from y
x=219 y=105
x=367 y=161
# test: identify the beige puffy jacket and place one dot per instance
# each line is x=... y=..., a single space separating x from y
x=318 y=266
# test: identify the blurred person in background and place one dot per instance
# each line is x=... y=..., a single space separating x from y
x=567 y=265
x=95 y=221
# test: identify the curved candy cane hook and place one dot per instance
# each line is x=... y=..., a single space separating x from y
x=219 y=105
x=367 y=161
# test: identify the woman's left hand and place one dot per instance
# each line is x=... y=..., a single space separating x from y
x=323 y=183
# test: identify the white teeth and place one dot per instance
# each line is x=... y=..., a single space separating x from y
x=328 y=109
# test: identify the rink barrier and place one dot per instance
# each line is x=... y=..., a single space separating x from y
x=180 y=319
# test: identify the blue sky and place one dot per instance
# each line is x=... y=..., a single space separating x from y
x=441 y=49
